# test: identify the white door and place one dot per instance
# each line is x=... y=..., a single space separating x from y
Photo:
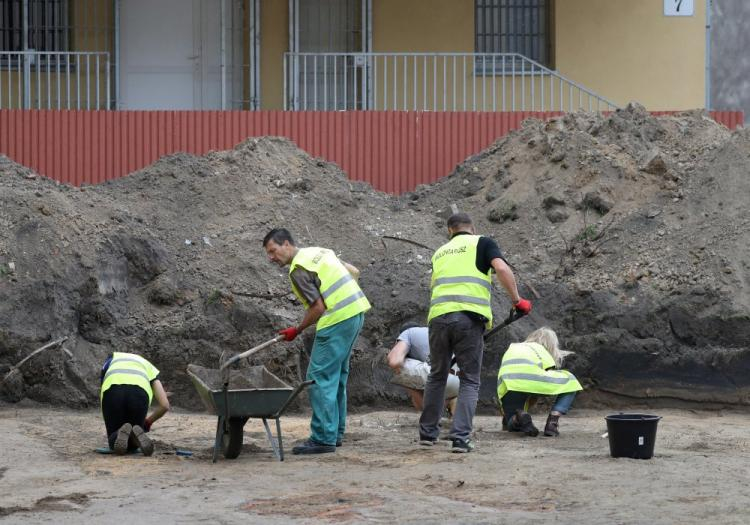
x=170 y=54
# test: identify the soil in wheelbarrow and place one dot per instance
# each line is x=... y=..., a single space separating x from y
x=243 y=379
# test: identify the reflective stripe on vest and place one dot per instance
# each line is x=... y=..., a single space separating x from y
x=463 y=279
x=335 y=286
x=346 y=302
x=459 y=299
x=129 y=369
x=539 y=378
x=111 y=372
x=457 y=285
x=521 y=362
x=341 y=294
x=527 y=367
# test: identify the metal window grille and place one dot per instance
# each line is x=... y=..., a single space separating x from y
x=48 y=25
x=514 y=26
x=55 y=54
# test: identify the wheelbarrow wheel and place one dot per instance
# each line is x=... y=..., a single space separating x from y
x=231 y=441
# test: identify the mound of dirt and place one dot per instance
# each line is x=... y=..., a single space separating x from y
x=628 y=232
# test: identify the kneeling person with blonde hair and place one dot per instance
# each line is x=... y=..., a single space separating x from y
x=531 y=369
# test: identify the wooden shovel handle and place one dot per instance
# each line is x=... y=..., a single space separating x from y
x=248 y=353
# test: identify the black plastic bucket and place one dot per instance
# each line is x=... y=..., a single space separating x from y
x=632 y=435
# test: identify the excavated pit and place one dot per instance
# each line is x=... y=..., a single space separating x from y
x=628 y=232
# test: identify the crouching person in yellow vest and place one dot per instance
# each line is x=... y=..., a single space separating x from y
x=333 y=301
x=530 y=369
x=129 y=383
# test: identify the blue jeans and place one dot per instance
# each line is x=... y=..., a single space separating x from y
x=564 y=402
x=329 y=367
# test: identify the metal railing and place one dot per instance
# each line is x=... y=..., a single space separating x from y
x=430 y=82
x=55 y=80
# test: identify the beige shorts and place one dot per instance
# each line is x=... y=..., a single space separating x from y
x=414 y=375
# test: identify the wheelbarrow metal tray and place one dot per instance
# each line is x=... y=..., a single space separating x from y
x=252 y=392
x=260 y=393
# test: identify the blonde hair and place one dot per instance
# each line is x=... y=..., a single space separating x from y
x=548 y=339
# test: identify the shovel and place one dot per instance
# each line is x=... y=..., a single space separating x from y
x=248 y=353
x=514 y=315
x=12 y=382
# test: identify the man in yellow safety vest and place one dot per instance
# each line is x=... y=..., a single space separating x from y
x=334 y=302
x=460 y=310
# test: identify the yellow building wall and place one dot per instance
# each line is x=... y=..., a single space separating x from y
x=423 y=26
x=274 y=42
x=623 y=50
x=629 y=51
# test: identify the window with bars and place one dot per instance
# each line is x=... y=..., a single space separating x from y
x=48 y=25
x=514 y=26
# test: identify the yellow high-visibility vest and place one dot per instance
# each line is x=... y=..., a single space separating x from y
x=341 y=294
x=457 y=285
x=528 y=367
x=129 y=369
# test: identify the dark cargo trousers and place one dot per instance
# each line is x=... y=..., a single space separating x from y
x=453 y=334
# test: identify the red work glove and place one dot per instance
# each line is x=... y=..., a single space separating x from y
x=289 y=333
x=147 y=424
x=523 y=306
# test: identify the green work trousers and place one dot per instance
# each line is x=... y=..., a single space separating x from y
x=329 y=368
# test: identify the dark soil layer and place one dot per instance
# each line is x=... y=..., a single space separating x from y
x=628 y=232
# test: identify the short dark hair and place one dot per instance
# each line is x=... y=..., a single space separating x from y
x=278 y=235
x=408 y=324
x=459 y=219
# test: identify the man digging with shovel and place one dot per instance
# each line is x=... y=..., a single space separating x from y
x=460 y=310
x=333 y=301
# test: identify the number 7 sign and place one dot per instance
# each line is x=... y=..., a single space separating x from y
x=679 y=7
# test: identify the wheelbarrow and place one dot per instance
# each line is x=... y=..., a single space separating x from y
x=252 y=392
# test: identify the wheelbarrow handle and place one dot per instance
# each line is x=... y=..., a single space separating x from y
x=248 y=353
x=293 y=395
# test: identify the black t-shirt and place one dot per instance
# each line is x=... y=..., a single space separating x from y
x=487 y=250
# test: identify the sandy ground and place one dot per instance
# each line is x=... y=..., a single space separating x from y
x=50 y=474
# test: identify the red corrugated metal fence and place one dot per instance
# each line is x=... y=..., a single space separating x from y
x=393 y=151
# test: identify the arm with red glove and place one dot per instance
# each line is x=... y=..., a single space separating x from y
x=312 y=314
x=508 y=281
x=162 y=404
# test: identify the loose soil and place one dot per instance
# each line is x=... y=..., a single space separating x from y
x=50 y=473
x=628 y=232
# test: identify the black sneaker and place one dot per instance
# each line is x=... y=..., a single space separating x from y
x=313 y=447
x=462 y=445
x=122 y=439
x=142 y=441
x=525 y=424
x=427 y=441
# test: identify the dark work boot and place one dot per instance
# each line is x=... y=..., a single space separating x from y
x=552 y=428
x=142 y=441
x=522 y=421
x=313 y=447
x=123 y=437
